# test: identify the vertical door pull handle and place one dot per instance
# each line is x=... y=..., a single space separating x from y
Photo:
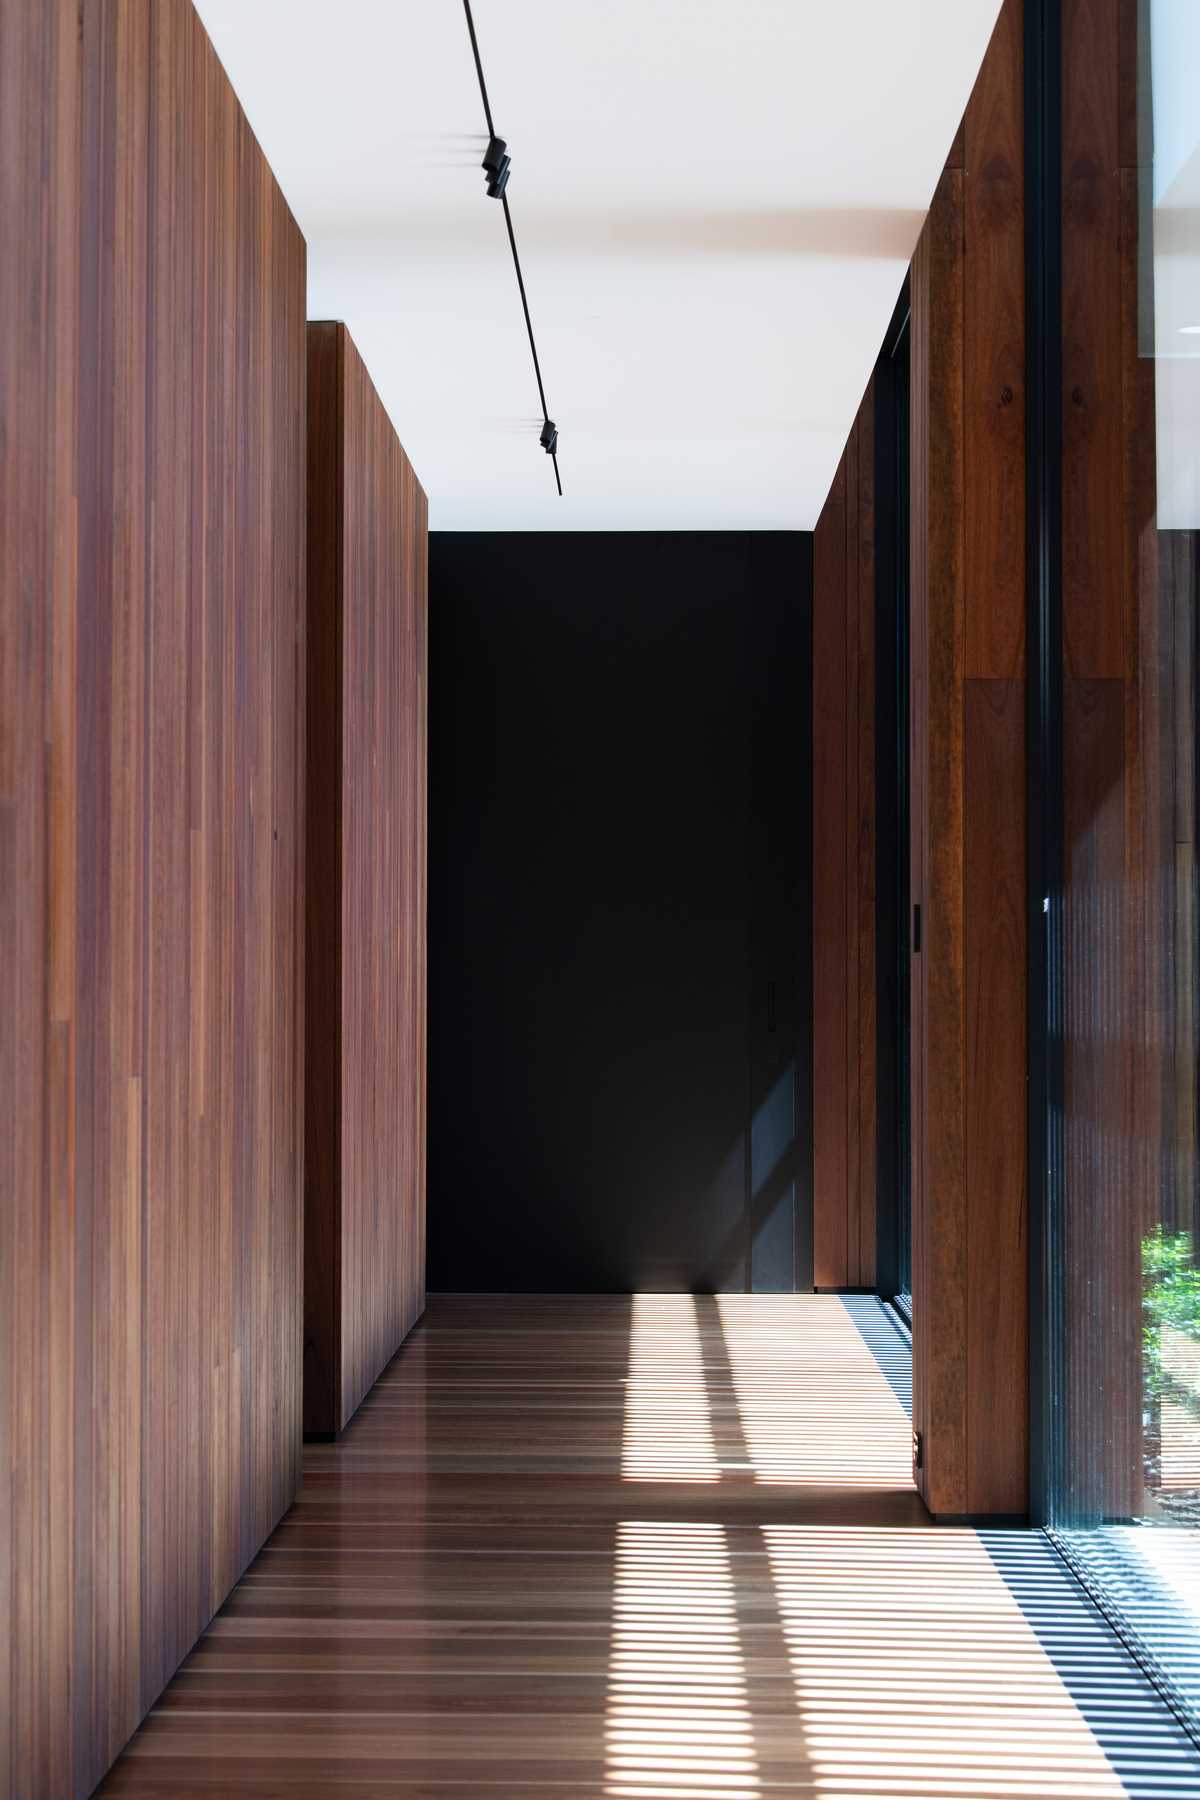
x=916 y=930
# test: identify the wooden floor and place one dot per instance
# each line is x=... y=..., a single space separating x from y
x=646 y=1547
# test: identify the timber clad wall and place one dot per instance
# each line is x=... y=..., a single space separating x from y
x=970 y=1284
x=365 y=1063
x=152 y=297
x=843 y=665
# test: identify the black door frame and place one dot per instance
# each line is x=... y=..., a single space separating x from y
x=892 y=877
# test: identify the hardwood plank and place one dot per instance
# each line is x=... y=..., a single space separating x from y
x=844 y=867
x=1128 y=27
x=1094 y=590
x=994 y=359
x=573 y=1547
x=970 y=1285
x=997 y=1426
x=939 y=1212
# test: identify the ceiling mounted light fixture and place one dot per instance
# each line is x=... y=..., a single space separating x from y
x=497 y=164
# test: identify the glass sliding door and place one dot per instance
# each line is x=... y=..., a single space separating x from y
x=1115 y=752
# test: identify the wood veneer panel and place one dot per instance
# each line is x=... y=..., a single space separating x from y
x=39 y=113
x=151 y=780
x=939 y=1211
x=1094 y=586
x=996 y=1118
x=365 y=1203
x=1128 y=26
x=994 y=357
x=844 y=867
x=970 y=1283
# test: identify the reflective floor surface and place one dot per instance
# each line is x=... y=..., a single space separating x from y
x=655 y=1547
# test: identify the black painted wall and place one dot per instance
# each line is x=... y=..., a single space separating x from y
x=619 y=912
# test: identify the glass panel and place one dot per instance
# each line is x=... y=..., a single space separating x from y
x=1126 y=1509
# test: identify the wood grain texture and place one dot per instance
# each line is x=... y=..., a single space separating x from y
x=152 y=296
x=968 y=809
x=365 y=1068
x=995 y=1091
x=939 y=1247
x=994 y=357
x=573 y=1548
x=1094 y=586
x=844 y=868
x=918 y=800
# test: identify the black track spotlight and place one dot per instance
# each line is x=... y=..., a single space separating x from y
x=549 y=437
x=497 y=164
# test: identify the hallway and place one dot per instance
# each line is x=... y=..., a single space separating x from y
x=646 y=1547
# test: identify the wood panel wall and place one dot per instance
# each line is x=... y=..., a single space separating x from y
x=843 y=662
x=366 y=836
x=152 y=297
x=970 y=1285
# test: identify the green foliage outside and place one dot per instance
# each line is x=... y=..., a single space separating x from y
x=1172 y=1298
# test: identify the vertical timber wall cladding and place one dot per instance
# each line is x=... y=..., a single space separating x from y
x=365 y=1066
x=152 y=294
x=970 y=1281
x=843 y=667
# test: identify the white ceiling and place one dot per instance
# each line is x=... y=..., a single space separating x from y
x=715 y=202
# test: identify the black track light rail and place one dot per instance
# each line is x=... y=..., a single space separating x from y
x=496 y=163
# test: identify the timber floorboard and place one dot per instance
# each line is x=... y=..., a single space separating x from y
x=657 y=1546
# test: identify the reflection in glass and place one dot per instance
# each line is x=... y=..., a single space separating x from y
x=1125 y=1504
